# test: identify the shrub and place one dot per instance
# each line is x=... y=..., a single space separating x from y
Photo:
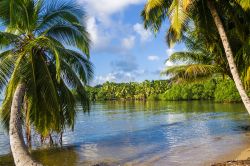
x=226 y=91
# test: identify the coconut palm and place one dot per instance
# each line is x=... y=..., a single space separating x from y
x=45 y=54
x=188 y=14
x=194 y=69
x=198 y=63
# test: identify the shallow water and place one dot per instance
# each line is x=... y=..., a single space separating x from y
x=148 y=133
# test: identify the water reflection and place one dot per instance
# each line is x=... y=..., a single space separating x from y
x=148 y=133
x=55 y=156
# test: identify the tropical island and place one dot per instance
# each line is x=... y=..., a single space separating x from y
x=107 y=82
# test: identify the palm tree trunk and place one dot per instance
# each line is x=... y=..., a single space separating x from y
x=229 y=55
x=19 y=151
x=27 y=123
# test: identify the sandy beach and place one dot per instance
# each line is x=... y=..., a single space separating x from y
x=244 y=155
x=241 y=159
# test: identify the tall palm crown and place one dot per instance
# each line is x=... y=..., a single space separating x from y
x=45 y=46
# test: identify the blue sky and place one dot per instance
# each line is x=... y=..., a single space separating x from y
x=122 y=50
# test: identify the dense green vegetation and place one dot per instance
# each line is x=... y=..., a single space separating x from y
x=127 y=91
x=219 y=90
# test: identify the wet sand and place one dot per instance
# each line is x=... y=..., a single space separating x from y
x=238 y=157
x=244 y=155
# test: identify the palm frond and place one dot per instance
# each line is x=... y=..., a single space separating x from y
x=7 y=63
x=70 y=77
x=196 y=70
x=72 y=35
x=154 y=13
x=6 y=39
x=190 y=57
x=178 y=17
x=48 y=105
x=81 y=65
x=191 y=71
x=245 y=4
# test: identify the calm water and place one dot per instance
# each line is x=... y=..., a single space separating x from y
x=151 y=133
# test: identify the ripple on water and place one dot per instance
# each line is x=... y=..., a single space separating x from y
x=151 y=133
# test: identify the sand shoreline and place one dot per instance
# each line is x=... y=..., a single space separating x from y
x=241 y=159
x=244 y=155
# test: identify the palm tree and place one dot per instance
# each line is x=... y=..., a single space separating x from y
x=186 y=14
x=45 y=55
x=192 y=69
x=198 y=63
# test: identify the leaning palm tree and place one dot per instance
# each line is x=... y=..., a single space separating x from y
x=45 y=54
x=187 y=14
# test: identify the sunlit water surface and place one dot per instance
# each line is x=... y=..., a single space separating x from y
x=147 y=133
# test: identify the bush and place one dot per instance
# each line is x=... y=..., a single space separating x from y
x=209 y=89
x=154 y=97
x=193 y=91
x=226 y=91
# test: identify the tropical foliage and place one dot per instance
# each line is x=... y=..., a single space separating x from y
x=127 y=91
x=46 y=47
x=226 y=92
x=219 y=90
x=185 y=15
x=198 y=62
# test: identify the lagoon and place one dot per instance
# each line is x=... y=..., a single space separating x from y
x=148 y=133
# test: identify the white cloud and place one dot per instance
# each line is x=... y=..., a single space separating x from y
x=105 y=31
x=107 y=7
x=119 y=76
x=128 y=42
x=170 y=51
x=99 y=37
x=145 y=35
x=101 y=79
x=92 y=29
x=169 y=64
x=153 y=58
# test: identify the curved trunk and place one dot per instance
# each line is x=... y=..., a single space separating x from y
x=27 y=123
x=229 y=55
x=19 y=151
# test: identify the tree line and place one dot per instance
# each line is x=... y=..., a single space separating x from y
x=216 y=89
